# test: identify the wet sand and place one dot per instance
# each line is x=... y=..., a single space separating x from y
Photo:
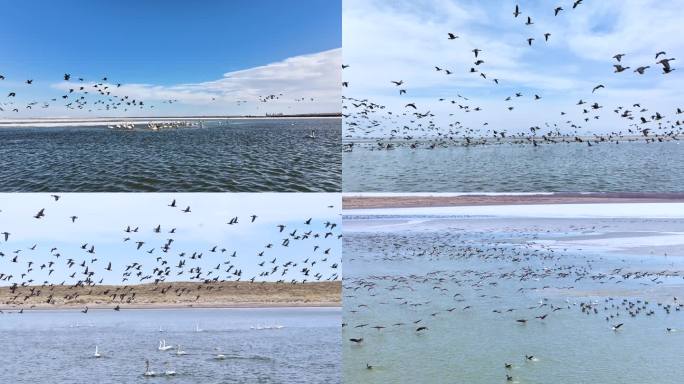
x=356 y=201
x=150 y=296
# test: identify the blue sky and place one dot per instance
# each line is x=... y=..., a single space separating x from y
x=402 y=40
x=158 y=43
x=102 y=219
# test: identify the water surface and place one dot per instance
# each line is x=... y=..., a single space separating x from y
x=469 y=279
x=569 y=167
x=223 y=156
x=58 y=346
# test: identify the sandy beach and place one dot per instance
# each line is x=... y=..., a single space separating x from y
x=213 y=295
x=366 y=201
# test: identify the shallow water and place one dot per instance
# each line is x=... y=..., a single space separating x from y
x=232 y=155
x=624 y=167
x=57 y=346
x=418 y=270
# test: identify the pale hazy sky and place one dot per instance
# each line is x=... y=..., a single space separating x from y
x=102 y=219
x=404 y=40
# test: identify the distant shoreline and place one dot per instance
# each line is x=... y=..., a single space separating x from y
x=372 y=201
x=60 y=122
x=175 y=295
x=47 y=307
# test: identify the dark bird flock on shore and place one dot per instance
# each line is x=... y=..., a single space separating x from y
x=374 y=126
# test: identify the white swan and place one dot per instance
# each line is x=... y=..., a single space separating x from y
x=197 y=328
x=180 y=352
x=168 y=372
x=219 y=355
x=163 y=346
x=312 y=135
x=97 y=353
x=148 y=373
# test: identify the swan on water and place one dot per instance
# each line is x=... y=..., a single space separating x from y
x=148 y=373
x=167 y=371
x=179 y=351
x=163 y=346
x=97 y=353
x=219 y=355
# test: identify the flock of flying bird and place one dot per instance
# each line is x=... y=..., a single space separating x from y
x=102 y=95
x=366 y=123
x=516 y=281
x=161 y=260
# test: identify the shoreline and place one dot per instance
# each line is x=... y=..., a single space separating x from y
x=174 y=295
x=351 y=201
x=157 y=307
x=98 y=121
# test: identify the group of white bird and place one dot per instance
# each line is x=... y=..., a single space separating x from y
x=164 y=347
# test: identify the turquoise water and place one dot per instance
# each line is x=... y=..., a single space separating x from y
x=468 y=280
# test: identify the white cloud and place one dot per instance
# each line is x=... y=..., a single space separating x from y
x=315 y=76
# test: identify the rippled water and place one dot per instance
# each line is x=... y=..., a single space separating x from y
x=233 y=155
x=58 y=346
x=624 y=167
x=408 y=270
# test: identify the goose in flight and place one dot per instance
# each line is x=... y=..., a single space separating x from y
x=398 y=83
x=557 y=10
x=617 y=326
x=641 y=70
x=619 y=68
x=597 y=87
x=517 y=11
x=452 y=36
x=618 y=57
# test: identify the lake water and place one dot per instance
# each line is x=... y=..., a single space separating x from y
x=469 y=279
x=58 y=346
x=624 y=167
x=231 y=155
